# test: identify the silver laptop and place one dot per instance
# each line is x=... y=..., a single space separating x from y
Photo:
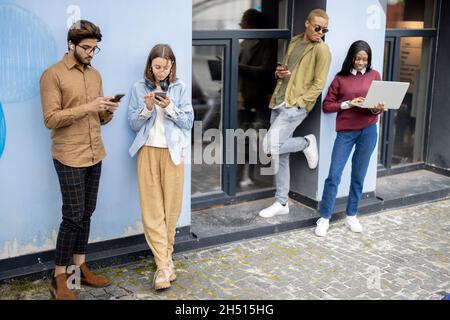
x=390 y=93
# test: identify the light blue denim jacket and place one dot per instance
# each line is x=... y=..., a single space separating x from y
x=177 y=128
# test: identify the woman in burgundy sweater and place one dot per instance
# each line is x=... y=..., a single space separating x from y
x=356 y=127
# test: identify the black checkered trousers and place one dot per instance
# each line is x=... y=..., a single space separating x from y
x=79 y=189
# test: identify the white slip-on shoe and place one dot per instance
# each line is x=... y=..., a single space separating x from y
x=353 y=224
x=322 y=227
x=274 y=209
x=311 y=152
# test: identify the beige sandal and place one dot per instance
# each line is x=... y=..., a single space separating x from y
x=161 y=279
x=173 y=275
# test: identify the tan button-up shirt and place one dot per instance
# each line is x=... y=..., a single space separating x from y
x=66 y=89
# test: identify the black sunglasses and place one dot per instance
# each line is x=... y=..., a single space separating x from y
x=318 y=28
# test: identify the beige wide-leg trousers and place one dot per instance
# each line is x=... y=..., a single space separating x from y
x=161 y=195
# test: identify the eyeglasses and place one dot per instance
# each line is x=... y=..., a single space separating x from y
x=90 y=50
x=318 y=28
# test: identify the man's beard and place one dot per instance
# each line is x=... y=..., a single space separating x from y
x=79 y=59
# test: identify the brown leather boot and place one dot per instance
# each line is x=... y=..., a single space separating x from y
x=90 y=279
x=59 y=290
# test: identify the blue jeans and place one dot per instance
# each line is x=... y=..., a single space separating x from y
x=364 y=141
x=279 y=141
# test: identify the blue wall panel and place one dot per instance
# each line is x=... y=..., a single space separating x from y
x=32 y=37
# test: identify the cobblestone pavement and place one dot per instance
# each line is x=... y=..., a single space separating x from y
x=402 y=254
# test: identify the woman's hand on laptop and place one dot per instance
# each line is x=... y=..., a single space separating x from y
x=357 y=102
x=379 y=108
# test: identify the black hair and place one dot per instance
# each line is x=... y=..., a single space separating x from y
x=349 y=61
x=255 y=19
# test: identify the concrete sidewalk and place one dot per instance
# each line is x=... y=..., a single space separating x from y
x=402 y=254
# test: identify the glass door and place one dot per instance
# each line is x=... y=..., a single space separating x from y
x=236 y=45
x=402 y=132
x=409 y=49
x=210 y=96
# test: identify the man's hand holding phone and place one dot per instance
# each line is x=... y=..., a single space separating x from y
x=103 y=104
x=118 y=97
x=282 y=71
x=115 y=101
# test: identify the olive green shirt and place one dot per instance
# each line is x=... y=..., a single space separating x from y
x=308 y=77
x=291 y=62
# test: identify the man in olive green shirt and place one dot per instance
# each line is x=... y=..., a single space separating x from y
x=74 y=109
x=301 y=79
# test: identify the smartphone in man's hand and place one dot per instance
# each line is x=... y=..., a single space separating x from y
x=118 y=97
x=280 y=65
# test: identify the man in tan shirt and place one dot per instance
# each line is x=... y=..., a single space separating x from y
x=74 y=109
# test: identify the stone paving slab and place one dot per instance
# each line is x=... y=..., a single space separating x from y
x=402 y=254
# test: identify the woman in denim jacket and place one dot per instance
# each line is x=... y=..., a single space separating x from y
x=161 y=114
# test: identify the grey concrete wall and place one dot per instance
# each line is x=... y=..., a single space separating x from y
x=303 y=180
x=439 y=129
x=368 y=23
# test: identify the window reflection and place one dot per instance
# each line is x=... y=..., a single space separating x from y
x=410 y=14
x=256 y=83
x=226 y=14
x=410 y=119
x=207 y=90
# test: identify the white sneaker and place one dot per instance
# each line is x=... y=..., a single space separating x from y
x=247 y=182
x=322 y=227
x=273 y=210
x=311 y=153
x=353 y=223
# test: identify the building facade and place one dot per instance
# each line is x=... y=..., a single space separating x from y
x=409 y=40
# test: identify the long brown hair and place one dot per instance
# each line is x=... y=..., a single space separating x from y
x=161 y=51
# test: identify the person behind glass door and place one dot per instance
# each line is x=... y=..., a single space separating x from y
x=257 y=60
x=356 y=128
x=301 y=79
x=162 y=126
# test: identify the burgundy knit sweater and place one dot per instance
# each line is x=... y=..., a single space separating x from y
x=345 y=88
